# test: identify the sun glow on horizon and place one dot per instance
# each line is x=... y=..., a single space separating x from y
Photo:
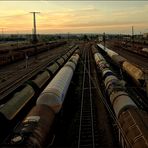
x=74 y=17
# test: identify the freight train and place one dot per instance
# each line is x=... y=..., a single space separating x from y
x=133 y=47
x=11 y=109
x=13 y=55
x=145 y=50
x=132 y=122
x=133 y=71
x=35 y=128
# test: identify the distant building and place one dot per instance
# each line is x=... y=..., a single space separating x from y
x=145 y=35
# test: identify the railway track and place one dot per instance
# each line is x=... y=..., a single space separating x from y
x=136 y=93
x=6 y=140
x=94 y=126
x=137 y=59
x=82 y=129
x=83 y=120
x=24 y=75
x=10 y=71
x=87 y=134
x=139 y=98
x=11 y=86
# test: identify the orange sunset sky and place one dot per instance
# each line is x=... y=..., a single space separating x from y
x=74 y=16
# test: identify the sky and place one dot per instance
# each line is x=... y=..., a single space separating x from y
x=74 y=16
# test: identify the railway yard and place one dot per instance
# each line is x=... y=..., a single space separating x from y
x=84 y=94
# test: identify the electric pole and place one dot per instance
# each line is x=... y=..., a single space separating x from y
x=104 y=40
x=2 y=34
x=133 y=35
x=35 y=40
x=68 y=37
x=2 y=31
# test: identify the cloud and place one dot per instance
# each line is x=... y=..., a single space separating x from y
x=85 y=18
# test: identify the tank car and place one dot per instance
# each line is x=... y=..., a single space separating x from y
x=25 y=94
x=100 y=61
x=60 y=61
x=132 y=121
x=57 y=88
x=18 y=101
x=41 y=78
x=36 y=127
x=118 y=60
x=14 y=108
x=102 y=47
x=134 y=126
x=135 y=72
x=65 y=57
x=53 y=68
x=68 y=54
x=145 y=50
x=77 y=51
x=111 y=53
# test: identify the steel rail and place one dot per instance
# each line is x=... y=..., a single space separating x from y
x=11 y=86
x=112 y=114
x=91 y=104
x=82 y=97
x=86 y=126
